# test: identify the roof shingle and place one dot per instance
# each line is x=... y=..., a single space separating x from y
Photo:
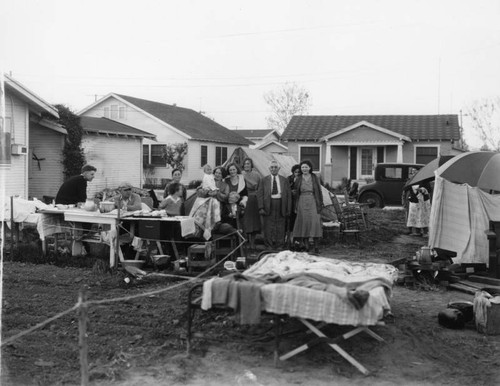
x=417 y=127
x=190 y=122
x=109 y=126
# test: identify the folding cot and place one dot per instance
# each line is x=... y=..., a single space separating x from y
x=315 y=290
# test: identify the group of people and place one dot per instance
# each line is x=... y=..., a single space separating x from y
x=272 y=205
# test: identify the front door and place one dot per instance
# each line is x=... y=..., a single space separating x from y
x=367 y=161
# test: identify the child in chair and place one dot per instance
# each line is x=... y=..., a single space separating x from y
x=173 y=203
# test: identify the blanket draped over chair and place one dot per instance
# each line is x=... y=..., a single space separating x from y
x=206 y=213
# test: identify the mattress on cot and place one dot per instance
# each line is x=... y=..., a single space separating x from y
x=327 y=306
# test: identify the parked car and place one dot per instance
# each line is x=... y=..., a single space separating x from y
x=390 y=179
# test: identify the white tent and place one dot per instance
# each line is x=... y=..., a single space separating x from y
x=460 y=216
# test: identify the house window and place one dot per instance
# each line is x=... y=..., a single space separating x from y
x=157 y=155
x=220 y=155
x=425 y=154
x=145 y=155
x=204 y=155
x=106 y=112
x=114 y=111
x=121 y=112
x=311 y=153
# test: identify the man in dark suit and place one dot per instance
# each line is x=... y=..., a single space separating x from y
x=74 y=189
x=275 y=204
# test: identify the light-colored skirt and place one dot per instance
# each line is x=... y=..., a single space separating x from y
x=419 y=214
x=308 y=220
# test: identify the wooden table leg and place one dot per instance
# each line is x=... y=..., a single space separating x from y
x=174 y=247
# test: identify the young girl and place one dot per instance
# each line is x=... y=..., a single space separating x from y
x=173 y=203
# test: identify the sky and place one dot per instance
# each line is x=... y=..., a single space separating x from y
x=221 y=57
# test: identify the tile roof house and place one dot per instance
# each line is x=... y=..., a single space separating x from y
x=31 y=144
x=115 y=149
x=349 y=146
x=208 y=141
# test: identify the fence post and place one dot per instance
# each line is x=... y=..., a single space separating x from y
x=82 y=338
x=12 y=224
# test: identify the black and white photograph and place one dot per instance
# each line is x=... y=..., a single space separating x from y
x=249 y=193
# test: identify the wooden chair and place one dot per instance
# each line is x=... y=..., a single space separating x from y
x=357 y=208
x=348 y=219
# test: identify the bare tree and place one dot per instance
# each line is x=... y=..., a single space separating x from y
x=485 y=115
x=285 y=102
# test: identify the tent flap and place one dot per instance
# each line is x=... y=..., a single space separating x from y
x=460 y=217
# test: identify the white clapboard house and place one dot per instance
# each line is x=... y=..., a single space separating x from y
x=31 y=155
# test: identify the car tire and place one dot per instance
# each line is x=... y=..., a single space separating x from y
x=373 y=199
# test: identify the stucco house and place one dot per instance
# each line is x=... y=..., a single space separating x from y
x=115 y=149
x=31 y=155
x=349 y=146
x=208 y=141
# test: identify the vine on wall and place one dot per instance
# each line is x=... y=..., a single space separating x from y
x=73 y=157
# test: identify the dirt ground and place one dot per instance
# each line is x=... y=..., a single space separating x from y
x=141 y=342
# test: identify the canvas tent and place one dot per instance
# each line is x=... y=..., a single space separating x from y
x=460 y=215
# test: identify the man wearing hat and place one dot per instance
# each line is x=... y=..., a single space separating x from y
x=74 y=189
x=130 y=201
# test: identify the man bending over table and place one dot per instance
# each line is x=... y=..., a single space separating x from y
x=74 y=189
x=130 y=201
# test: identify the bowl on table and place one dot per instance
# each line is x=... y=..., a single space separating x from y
x=106 y=206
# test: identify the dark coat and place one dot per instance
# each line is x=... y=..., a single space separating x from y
x=72 y=191
x=318 y=194
x=264 y=195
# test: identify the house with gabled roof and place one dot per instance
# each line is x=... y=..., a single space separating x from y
x=208 y=141
x=349 y=146
x=30 y=145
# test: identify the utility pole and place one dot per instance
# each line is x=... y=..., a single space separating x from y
x=439 y=86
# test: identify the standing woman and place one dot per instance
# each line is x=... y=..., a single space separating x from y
x=309 y=205
x=292 y=180
x=238 y=195
x=176 y=178
x=251 y=218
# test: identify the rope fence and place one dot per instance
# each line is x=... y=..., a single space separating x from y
x=82 y=307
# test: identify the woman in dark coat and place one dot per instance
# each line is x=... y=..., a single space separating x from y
x=309 y=204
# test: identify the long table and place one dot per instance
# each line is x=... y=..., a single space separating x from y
x=162 y=229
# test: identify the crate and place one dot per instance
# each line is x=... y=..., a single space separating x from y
x=492 y=321
x=200 y=256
